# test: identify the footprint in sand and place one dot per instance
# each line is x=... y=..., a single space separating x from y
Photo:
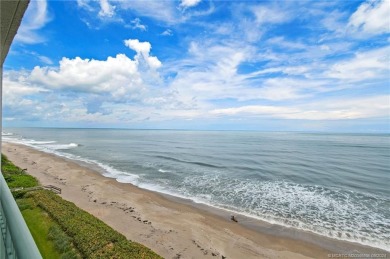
x=206 y=251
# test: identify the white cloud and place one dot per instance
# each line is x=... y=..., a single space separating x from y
x=41 y=58
x=84 y=4
x=117 y=76
x=139 y=47
x=159 y=10
x=45 y=60
x=280 y=41
x=189 y=3
x=16 y=92
x=17 y=84
x=270 y=15
x=373 y=64
x=252 y=20
x=163 y=11
x=372 y=17
x=325 y=47
x=35 y=18
x=253 y=109
x=143 y=49
x=167 y=32
x=333 y=21
x=369 y=107
x=154 y=62
x=211 y=72
x=26 y=101
x=98 y=83
x=136 y=24
x=107 y=10
x=89 y=90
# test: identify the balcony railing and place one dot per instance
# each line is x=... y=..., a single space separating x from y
x=16 y=240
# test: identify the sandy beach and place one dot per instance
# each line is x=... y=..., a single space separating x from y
x=172 y=228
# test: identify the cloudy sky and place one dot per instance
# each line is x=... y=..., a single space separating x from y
x=201 y=64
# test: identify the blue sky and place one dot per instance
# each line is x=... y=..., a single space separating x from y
x=201 y=64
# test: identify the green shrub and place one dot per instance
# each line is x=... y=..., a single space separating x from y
x=54 y=231
x=20 y=180
x=71 y=254
x=14 y=176
x=62 y=242
x=91 y=236
x=8 y=167
x=25 y=204
x=19 y=194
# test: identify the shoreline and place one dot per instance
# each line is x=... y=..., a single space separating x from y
x=174 y=226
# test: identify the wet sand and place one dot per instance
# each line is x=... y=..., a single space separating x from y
x=172 y=227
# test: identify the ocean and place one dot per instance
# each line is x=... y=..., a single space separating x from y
x=334 y=185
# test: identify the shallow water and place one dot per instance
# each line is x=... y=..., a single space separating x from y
x=334 y=185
